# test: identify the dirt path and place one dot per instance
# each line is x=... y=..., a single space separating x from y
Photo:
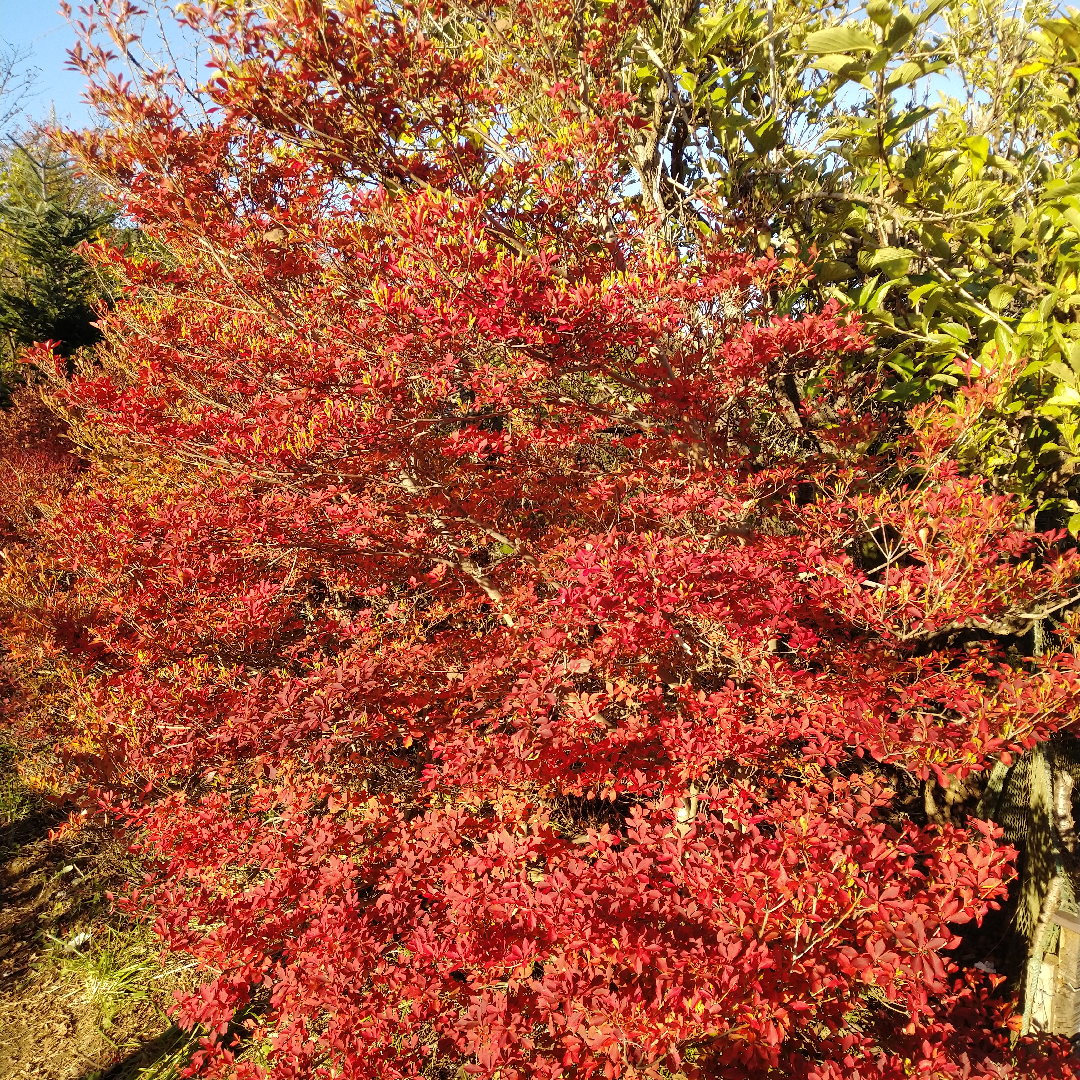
x=82 y=995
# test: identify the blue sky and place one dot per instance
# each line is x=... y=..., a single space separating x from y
x=37 y=27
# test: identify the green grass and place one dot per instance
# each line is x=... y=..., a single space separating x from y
x=115 y=972
x=17 y=801
x=109 y=968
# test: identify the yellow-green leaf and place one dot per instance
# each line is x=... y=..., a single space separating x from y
x=879 y=11
x=838 y=40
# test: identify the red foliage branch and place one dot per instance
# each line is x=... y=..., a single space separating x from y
x=477 y=639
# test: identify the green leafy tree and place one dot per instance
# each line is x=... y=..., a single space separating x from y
x=926 y=158
x=48 y=291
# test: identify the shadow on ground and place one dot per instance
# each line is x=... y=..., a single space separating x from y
x=83 y=994
x=160 y=1057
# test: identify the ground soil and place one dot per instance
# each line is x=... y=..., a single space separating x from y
x=65 y=1012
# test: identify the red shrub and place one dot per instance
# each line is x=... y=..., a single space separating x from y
x=482 y=648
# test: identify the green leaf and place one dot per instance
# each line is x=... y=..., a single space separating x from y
x=1065 y=395
x=902 y=391
x=1065 y=374
x=878 y=61
x=837 y=63
x=978 y=147
x=1073 y=355
x=866 y=292
x=833 y=271
x=930 y=11
x=1000 y=295
x=880 y=12
x=1063 y=30
x=876 y=298
x=1060 y=189
x=766 y=137
x=892 y=260
x=906 y=73
x=921 y=291
x=901 y=29
x=838 y=40
x=901 y=123
x=957 y=331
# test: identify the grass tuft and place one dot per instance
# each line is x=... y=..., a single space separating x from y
x=17 y=801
